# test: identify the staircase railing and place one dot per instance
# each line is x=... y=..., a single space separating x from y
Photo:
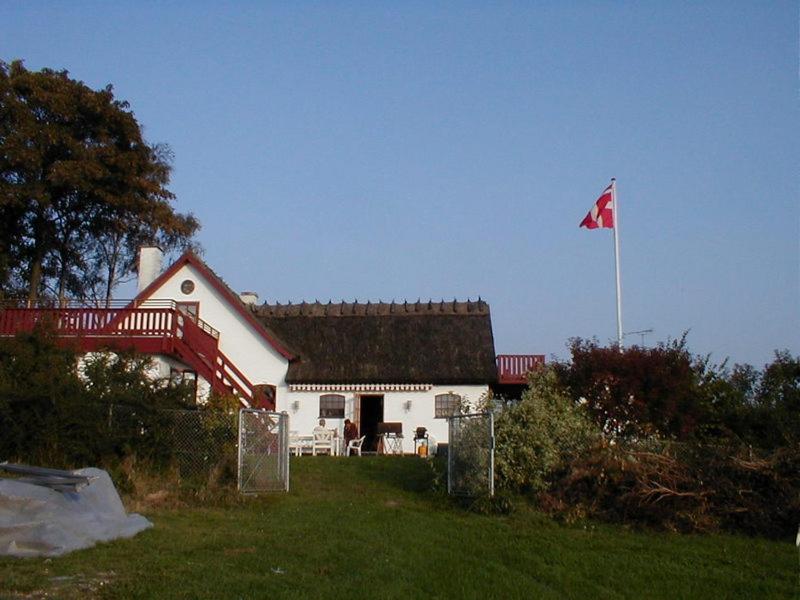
x=233 y=378
x=222 y=373
x=196 y=342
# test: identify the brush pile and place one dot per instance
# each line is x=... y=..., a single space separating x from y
x=680 y=487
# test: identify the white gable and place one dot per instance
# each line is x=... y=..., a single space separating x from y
x=239 y=340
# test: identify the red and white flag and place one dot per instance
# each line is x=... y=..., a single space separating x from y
x=602 y=213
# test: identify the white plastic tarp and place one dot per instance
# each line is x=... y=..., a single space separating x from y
x=38 y=521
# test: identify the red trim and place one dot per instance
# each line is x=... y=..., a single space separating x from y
x=191 y=259
x=514 y=368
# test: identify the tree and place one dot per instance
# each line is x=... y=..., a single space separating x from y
x=639 y=391
x=80 y=189
x=775 y=414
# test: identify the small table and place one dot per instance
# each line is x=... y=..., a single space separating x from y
x=392 y=443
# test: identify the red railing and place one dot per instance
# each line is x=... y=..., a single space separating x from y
x=514 y=368
x=198 y=338
x=232 y=378
x=146 y=328
x=89 y=322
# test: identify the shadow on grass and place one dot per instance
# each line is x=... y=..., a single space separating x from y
x=426 y=479
x=408 y=474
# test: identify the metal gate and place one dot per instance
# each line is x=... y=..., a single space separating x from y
x=263 y=451
x=470 y=455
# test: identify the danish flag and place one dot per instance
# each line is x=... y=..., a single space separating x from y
x=602 y=213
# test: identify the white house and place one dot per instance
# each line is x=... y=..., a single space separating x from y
x=382 y=365
x=407 y=363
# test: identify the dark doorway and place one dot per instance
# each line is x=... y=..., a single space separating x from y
x=371 y=414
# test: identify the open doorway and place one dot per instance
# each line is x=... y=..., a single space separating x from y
x=370 y=414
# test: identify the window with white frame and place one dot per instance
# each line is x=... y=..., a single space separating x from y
x=331 y=406
x=446 y=405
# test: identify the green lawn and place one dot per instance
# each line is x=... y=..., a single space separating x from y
x=370 y=528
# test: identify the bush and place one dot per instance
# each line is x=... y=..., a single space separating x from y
x=53 y=413
x=540 y=434
x=637 y=392
x=661 y=438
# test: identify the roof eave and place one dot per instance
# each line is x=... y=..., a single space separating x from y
x=191 y=259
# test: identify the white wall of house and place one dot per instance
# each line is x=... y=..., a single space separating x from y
x=261 y=363
x=166 y=365
x=256 y=358
x=161 y=367
x=412 y=409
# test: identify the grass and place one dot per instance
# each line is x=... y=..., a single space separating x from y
x=371 y=527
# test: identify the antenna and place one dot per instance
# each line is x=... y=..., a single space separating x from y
x=641 y=332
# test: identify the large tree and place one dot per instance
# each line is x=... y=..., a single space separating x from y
x=637 y=391
x=80 y=188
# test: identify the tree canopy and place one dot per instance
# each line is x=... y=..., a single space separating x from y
x=669 y=392
x=80 y=188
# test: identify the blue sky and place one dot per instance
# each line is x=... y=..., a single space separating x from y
x=375 y=150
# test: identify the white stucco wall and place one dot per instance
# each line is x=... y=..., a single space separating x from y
x=160 y=368
x=258 y=360
x=421 y=412
x=238 y=340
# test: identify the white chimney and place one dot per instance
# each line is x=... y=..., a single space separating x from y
x=249 y=298
x=149 y=265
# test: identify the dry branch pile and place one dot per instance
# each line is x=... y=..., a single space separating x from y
x=683 y=487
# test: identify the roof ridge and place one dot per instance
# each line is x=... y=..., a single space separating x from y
x=369 y=308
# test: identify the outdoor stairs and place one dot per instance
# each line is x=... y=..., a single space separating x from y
x=155 y=327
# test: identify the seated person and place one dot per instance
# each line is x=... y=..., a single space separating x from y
x=350 y=431
x=321 y=427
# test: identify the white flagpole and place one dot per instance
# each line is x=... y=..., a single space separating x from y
x=616 y=260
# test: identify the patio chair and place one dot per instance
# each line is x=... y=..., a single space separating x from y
x=323 y=440
x=355 y=446
x=299 y=443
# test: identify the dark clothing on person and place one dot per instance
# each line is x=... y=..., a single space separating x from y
x=350 y=432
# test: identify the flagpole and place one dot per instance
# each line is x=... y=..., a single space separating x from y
x=616 y=261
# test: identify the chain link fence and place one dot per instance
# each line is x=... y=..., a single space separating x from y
x=249 y=447
x=199 y=444
x=263 y=451
x=470 y=457
x=204 y=443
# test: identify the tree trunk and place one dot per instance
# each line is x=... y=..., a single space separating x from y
x=39 y=250
x=34 y=281
x=111 y=277
x=62 y=283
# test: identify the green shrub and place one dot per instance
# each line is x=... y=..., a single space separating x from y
x=540 y=434
x=54 y=413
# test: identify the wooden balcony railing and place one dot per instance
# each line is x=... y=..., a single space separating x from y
x=148 y=328
x=90 y=322
x=514 y=368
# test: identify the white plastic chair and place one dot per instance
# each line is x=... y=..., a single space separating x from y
x=294 y=443
x=355 y=446
x=323 y=440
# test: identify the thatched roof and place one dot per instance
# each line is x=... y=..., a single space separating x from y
x=421 y=342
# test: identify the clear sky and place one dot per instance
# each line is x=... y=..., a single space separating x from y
x=404 y=150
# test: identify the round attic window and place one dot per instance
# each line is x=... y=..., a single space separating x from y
x=187 y=287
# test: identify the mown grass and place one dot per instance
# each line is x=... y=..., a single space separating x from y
x=372 y=527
